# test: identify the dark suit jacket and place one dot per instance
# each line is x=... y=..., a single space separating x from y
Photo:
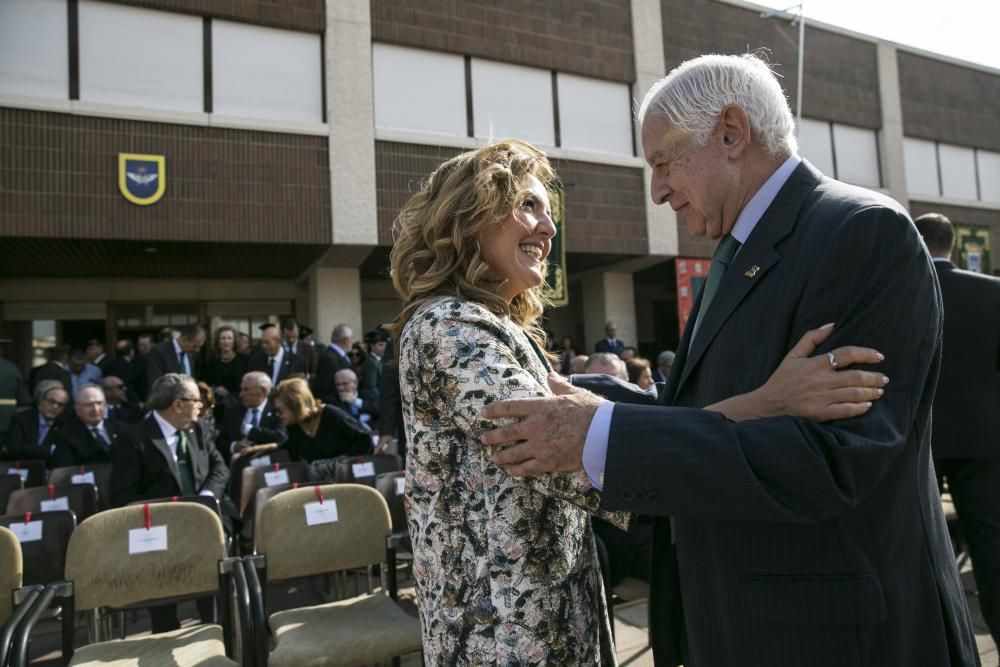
x=967 y=404
x=144 y=466
x=290 y=364
x=604 y=346
x=22 y=437
x=75 y=444
x=127 y=413
x=800 y=543
x=328 y=364
x=369 y=408
x=161 y=360
x=50 y=370
x=269 y=428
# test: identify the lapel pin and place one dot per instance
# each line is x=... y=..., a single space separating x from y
x=752 y=273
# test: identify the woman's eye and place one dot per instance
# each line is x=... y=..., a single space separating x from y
x=528 y=203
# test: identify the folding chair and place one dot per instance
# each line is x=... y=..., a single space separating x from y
x=32 y=473
x=392 y=486
x=266 y=493
x=81 y=499
x=8 y=485
x=98 y=474
x=148 y=554
x=244 y=462
x=11 y=570
x=45 y=557
x=364 y=469
x=256 y=477
x=350 y=524
x=211 y=502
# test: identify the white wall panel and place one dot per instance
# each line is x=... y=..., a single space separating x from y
x=815 y=145
x=857 y=155
x=34 y=48
x=140 y=57
x=510 y=101
x=958 y=171
x=260 y=72
x=989 y=176
x=594 y=115
x=920 y=159
x=418 y=90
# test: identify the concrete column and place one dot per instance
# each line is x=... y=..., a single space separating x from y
x=608 y=296
x=647 y=39
x=350 y=115
x=334 y=298
x=891 y=135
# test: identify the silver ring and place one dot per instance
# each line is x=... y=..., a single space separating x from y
x=833 y=360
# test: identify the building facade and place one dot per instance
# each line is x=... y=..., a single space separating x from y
x=293 y=132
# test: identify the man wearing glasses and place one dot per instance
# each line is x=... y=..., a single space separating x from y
x=32 y=432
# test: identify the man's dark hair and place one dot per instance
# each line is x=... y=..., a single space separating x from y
x=192 y=331
x=77 y=353
x=123 y=348
x=938 y=232
x=58 y=353
x=288 y=323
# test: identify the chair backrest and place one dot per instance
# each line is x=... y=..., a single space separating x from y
x=8 y=485
x=244 y=462
x=105 y=573
x=31 y=472
x=98 y=474
x=364 y=469
x=45 y=558
x=392 y=486
x=211 y=502
x=266 y=493
x=295 y=549
x=10 y=570
x=81 y=499
x=256 y=477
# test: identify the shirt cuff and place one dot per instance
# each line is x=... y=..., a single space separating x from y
x=206 y=492
x=595 y=447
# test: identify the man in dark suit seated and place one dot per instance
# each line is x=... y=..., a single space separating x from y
x=86 y=437
x=117 y=406
x=255 y=424
x=966 y=424
x=123 y=366
x=56 y=368
x=175 y=355
x=347 y=399
x=32 y=432
x=610 y=342
x=168 y=454
x=272 y=359
x=331 y=360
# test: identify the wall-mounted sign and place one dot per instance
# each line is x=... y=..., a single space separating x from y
x=692 y=272
x=973 y=248
x=142 y=179
x=557 y=288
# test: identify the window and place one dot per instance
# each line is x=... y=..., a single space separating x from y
x=266 y=73
x=140 y=57
x=594 y=115
x=419 y=90
x=920 y=161
x=512 y=101
x=857 y=155
x=815 y=145
x=34 y=51
x=989 y=176
x=958 y=172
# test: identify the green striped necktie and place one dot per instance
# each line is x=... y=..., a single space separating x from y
x=721 y=259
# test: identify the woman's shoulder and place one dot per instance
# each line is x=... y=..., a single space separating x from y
x=450 y=312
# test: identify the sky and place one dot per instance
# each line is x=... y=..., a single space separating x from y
x=963 y=29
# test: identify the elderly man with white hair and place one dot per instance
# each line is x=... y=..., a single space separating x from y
x=801 y=531
x=253 y=427
x=87 y=437
x=349 y=400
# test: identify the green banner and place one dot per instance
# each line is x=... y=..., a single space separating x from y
x=973 y=248
x=556 y=285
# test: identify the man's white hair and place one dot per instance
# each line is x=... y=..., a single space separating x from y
x=694 y=94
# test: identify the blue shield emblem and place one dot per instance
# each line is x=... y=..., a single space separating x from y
x=142 y=179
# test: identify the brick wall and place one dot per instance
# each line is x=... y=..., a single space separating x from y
x=841 y=75
x=948 y=102
x=587 y=37
x=59 y=178
x=604 y=204
x=308 y=15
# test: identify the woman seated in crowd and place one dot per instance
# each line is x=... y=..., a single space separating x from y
x=318 y=433
x=639 y=372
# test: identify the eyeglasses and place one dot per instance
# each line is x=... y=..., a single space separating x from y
x=113 y=386
x=193 y=400
x=56 y=404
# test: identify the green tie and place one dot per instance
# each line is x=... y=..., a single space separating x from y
x=184 y=465
x=721 y=259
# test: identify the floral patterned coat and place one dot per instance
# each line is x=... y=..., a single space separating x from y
x=506 y=568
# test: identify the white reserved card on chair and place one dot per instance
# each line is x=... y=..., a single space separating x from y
x=260 y=461
x=27 y=532
x=20 y=472
x=144 y=540
x=276 y=477
x=83 y=478
x=400 y=483
x=324 y=512
x=55 y=504
x=366 y=469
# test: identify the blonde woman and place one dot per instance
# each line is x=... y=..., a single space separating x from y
x=506 y=568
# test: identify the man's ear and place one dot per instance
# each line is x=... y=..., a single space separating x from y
x=734 y=124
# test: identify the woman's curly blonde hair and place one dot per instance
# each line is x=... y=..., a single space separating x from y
x=436 y=251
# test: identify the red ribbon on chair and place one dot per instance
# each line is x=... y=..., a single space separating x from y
x=52 y=491
x=17 y=465
x=145 y=512
x=319 y=494
x=173 y=499
x=82 y=470
x=295 y=485
x=27 y=518
x=277 y=466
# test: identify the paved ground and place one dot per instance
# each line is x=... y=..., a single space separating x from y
x=630 y=624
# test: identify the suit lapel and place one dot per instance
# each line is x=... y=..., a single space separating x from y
x=755 y=258
x=156 y=437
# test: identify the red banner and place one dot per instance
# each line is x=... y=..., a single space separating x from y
x=691 y=275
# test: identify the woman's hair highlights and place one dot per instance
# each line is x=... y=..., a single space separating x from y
x=436 y=252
